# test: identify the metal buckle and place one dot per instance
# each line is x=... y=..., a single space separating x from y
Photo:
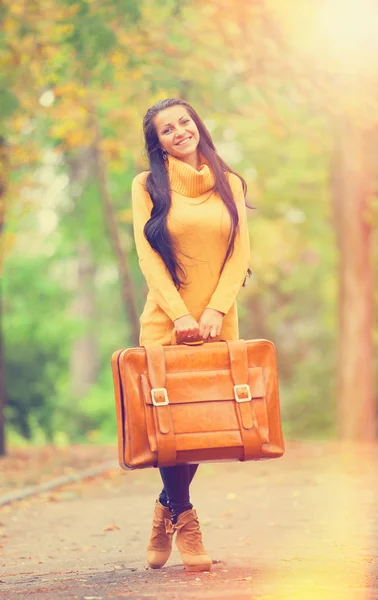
x=164 y=402
x=245 y=386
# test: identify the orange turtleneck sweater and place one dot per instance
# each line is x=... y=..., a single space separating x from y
x=199 y=223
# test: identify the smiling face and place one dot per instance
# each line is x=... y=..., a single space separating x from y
x=177 y=132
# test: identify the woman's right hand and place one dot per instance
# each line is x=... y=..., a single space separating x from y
x=187 y=329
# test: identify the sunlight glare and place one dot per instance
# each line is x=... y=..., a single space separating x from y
x=349 y=29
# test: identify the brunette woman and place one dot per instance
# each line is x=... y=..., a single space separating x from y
x=191 y=235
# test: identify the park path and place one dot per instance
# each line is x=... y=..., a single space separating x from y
x=303 y=527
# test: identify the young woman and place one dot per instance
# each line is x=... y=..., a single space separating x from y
x=192 y=241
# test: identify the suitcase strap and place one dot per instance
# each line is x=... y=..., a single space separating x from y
x=166 y=441
x=244 y=405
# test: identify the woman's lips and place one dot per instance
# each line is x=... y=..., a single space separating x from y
x=183 y=142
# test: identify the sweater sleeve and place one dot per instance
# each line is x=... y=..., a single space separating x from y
x=235 y=269
x=158 y=278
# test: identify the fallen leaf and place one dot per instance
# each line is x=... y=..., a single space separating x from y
x=112 y=528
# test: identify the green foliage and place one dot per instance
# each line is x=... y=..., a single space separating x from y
x=8 y=101
x=308 y=402
x=92 y=418
x=37 y=339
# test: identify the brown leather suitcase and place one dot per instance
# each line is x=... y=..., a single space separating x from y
x=192 y=403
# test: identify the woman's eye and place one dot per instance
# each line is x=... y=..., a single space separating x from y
x=183 y=122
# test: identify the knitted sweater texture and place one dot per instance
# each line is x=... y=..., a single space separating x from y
x=199 y=223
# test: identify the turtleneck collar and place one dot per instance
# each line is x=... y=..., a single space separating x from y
x=186 y=180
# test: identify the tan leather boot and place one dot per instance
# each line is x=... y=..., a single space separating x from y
x=189 y=542
x=159 y=546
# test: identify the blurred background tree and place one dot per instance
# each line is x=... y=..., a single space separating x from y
x=289 y=98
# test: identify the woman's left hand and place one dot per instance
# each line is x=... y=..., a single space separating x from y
x=210 y=323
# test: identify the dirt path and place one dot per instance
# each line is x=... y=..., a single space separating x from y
x=302 y=527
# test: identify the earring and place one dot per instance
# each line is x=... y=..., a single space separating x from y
x=164 y=154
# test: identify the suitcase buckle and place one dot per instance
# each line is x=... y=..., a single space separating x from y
x=163 y=402
x=245 y=387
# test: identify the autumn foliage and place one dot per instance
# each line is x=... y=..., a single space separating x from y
x=290 y=100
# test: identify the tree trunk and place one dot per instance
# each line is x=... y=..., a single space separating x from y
x=2 y=385
x=257 y=327
x=127 y=290
x=3 y=178
x=84 y=354
x=352 y=188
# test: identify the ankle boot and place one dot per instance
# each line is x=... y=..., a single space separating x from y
x=189 y=542
x=159 y=546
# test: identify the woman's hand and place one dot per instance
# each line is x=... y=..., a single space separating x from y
x=187 y=329
x=210 y=323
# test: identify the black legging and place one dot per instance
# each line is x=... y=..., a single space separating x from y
x=175 y=493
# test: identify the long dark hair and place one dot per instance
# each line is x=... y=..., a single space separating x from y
x=157 y=185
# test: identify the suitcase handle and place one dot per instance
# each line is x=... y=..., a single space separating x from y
x=199 y=342
x=187 y=343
